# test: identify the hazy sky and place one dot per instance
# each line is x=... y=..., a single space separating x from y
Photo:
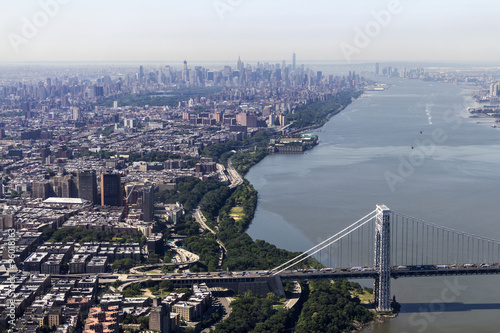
x=196 y=30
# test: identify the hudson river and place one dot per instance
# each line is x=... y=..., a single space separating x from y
x=451 y=177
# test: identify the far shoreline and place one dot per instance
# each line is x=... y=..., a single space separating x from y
x=300 y=131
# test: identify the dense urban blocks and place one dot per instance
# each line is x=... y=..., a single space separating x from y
x=110 y=171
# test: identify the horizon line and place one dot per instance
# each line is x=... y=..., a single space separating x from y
x=305 y=61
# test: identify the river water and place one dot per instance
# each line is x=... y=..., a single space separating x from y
x=450 y=177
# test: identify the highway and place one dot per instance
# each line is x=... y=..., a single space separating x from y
x=183 y=258
x=234 y=176
x=221 y=170
x=297 y=291
x=219 y=278
x=396 y=271
x=201 y=220
x=229 y=175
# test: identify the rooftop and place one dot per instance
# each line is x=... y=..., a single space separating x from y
x=69 y=201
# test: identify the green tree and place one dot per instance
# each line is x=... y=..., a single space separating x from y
x=47 y=233
x=331 y=308
x=124 y=264
x=167 y=258
x=247 y=312
x=47 y=329
x=144 y=321
x=166 y=285
x=317 y=113
x=153 y=258
x=117 y=283
x=133 y=290
x=271 y=297
x=129 y=319
x=75 y=234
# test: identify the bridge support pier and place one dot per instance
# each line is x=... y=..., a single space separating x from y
x=376 y=289
x=382 y=287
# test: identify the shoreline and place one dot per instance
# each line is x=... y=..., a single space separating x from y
x=300 y=131
x=317 y=126
x=380 y=319
x=471 y=107
x=461 y=103
x=329 y=115
x=468 y=101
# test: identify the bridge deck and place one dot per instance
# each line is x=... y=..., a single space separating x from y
x=336 y=274
x=395 y=273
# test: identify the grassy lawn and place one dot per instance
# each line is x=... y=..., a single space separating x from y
x=364 y=297
x=281 y=303
x=161 y=293
x=237 y=213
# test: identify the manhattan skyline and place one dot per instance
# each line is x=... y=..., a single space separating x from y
x=220 y=30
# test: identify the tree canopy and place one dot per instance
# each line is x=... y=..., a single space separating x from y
x=189 y=192
x=75 y=234
x=331 y=308
x=247 y=312
x=317 y=113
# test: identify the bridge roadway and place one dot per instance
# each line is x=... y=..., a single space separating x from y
x=338 y=274
x=222 y=278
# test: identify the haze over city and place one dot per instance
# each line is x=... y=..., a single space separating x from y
x=72 y=30
x=204 y=165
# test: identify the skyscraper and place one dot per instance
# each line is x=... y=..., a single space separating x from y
x=293 y=61
x=141 y=74
x=239 y=65
x=241 y=70
x=62 y=185
x=111 y=189
x=41 y=189
x=159 y=319
x=319 y=76
x=148 y=203
x=185 y=72
x=87 y=186
x=494 y=88
x=76 y=113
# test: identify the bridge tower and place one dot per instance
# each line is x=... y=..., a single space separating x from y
x=382 y=287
